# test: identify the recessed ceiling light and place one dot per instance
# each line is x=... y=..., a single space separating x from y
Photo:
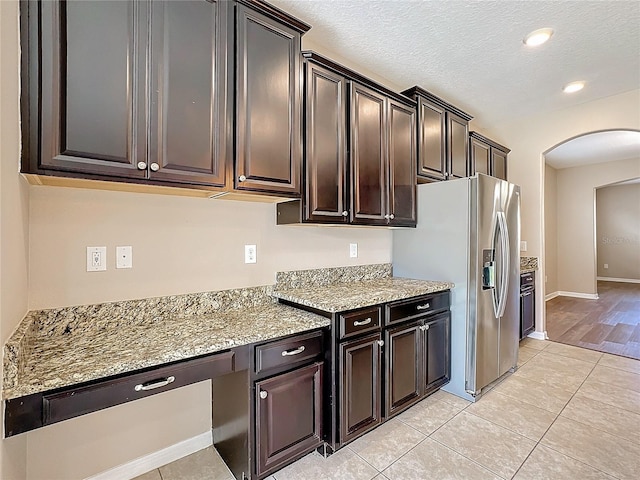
x=538 y=37
x=573 y=87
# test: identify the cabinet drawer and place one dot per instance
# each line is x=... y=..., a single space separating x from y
x=359 y=321
x=405 y=310
x=78 y=401
x=289 y=351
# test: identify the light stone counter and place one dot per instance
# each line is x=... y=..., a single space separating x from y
x=346 y=288
x=62 y=347
x=528 y=264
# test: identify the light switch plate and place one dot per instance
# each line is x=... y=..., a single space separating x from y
x=523 y=246
x=124 y=257
x=96 y=259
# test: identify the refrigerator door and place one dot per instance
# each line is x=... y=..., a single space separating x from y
x=483 y=327
x=510 y=311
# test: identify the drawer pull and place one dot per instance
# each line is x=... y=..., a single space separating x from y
x=423 y=307
x=263 y=394
x=152 y=385
x=366 y=321
x=296 y=351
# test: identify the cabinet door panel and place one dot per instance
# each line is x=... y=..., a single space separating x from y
x=268 y=143
x=188 y=91
x=402 y=360
x=432 y=141
x=360 y=387
x=437 y=350
x=325 y=160
x=289 y=416
x=457 y=145
x=480 y=159
x=368 y=156
x=402 y=160
x=499 y=164
x=92 y=91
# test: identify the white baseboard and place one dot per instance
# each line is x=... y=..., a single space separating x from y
x=590 y=296
x=539 y=335
x=550 y=296
x=157 y=459
x=624 y=280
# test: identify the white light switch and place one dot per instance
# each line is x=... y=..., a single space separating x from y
x=353 y=250
x=606 y=265
x=96 y=259
x=523 y=246
x=250 y=254
x=124 y=257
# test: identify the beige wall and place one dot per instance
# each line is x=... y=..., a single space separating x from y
x=14 y=224
x=618 y=231
x=530 y=137
x=551 y=229
x=576 y=220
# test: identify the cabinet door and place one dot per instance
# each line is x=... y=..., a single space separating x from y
x=498 y=164
x=188 y=91
x=92 y=102
x=288 y=416
x=437 y=352
x=402 y=160
x=527 y=313
x=268 y=104
x=431 y=141
x=402 y=367
x=457 y=145
x=360 y=386
x=369 y=160
x=325 y=186
x=480 y=159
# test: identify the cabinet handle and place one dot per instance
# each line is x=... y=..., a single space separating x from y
x=242 y=178
x=288 y=353
x=154 y=167
x=386 y=217
x=142 y=166
x=392 y=216
x=423 y=307
x=345 y=213
x=152 y=385
x=380 y=342
x=424 y=328
x=263 y=394
x=366 y=321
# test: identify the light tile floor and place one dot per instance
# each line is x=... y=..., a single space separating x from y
x=566 y=413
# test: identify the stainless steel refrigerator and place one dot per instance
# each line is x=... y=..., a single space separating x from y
x=468 y=233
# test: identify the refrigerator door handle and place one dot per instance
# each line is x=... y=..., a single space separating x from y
x=494 y=244
x=504 y=263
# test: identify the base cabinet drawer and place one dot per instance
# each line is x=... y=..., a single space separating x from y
x=288 y=417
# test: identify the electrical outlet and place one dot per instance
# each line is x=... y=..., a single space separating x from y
x=96 y=259
x=353 y=250
x=250 y=254
x=606 y=265
x=124 y=257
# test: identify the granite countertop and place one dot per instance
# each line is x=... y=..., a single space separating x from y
x=339 y=297
x=50 y=358
x=528 y=264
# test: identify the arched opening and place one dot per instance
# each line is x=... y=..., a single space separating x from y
x=575 y=171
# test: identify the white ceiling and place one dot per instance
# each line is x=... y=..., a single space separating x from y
x=596 y=147
x=471 y=52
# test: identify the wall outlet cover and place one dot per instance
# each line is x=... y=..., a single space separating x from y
x=523 y=246
x=96 y=259
x=250 y=254
x=353 y=250
x=124 y=257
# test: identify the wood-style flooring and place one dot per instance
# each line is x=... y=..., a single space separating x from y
x=610 y=324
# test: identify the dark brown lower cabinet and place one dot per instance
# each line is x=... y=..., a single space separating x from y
x=288 y=417
x=417 y=360
x=360 y=386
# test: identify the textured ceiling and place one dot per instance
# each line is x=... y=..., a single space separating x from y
x=597 y=147
x=471 y=52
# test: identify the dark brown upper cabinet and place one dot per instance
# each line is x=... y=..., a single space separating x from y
x=359 y=151
x=143 y=92
x=443 y=132
x=487 y=156
x=268 y=150
x=84 y=87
